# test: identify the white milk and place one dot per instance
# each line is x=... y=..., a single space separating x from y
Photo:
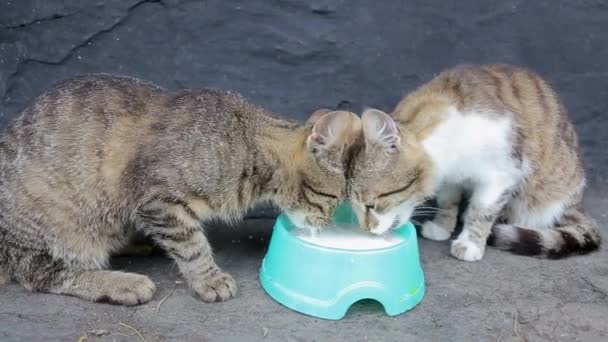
x=348 y=237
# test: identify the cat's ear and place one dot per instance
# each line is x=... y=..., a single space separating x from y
x=316 y=115
x=334 y=128
x=380 y=129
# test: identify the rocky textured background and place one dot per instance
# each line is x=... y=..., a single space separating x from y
x=292 y=56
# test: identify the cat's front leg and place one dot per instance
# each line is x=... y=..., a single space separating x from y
x=486 y=204
x=444 y=222
x=195 y=261
x=178 y=231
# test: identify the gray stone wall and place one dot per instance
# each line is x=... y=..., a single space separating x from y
x=293 y=56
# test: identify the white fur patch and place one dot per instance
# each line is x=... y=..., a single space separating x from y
x=385 y=221
x=475 y=148
x=550 y=239
x=504 y=234
x=521 y=215
x=466 y=250
x=433 y=231
x=401 y=213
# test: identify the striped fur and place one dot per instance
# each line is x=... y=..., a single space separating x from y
x=573 y=233
x=497 y=132
x=100 y=158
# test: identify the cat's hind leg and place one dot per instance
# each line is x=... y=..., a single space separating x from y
x=108 y=286
x=32 y=264
x=43 y=273
x=47 y=274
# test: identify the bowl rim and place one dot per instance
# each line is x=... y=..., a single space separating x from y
x=401 y=228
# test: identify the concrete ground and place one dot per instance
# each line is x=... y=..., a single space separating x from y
x=501 y=298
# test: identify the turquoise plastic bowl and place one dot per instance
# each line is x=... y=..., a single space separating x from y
x=324 y=282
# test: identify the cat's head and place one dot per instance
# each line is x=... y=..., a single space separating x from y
x=318 y=174
x=389 y=174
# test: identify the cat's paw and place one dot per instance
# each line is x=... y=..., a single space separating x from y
x=433 y=231
x=465 y=249
x=217 y=288
x=127 y=289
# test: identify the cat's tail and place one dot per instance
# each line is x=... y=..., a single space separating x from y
x=574 y=233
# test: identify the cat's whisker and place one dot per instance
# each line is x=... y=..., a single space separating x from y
x=424 y=212
x=416 y=222
x=432 y=208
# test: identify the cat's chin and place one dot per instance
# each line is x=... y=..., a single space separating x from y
x=299 y=220
x=385 y=230
x=393 y=219
x=379 y=231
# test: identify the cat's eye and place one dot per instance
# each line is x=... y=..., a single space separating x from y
x=317 y=192
x=402 y=189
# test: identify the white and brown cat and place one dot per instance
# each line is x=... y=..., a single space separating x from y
x=496 y=132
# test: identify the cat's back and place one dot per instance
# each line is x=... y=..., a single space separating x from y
x=486 y=88
x=80 y=107
x=78 y=129
x=212 y=112
x=102 y=119
x=86 y=96
x=496 y=108
x=494 y=92
x=539 y=120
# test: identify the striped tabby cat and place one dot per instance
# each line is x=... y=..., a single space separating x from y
x=99 y=157
x=498 y=133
